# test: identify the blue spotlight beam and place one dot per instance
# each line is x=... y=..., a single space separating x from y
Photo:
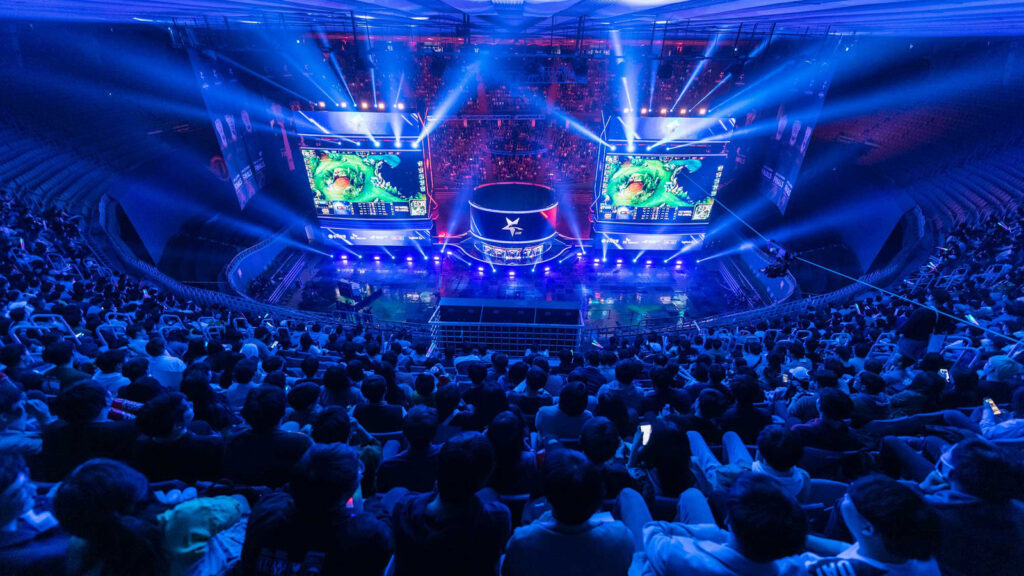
x=696 y=70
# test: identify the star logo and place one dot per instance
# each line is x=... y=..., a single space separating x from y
x=511 y=226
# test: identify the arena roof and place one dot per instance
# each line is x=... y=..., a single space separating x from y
x=537 y=17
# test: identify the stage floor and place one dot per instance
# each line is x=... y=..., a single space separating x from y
x=610 y=294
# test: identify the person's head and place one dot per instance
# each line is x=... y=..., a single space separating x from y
x=165 y=416
x=58 y=353
x=336 y=378
x=871 y=383
x=244 y=371
x=626 y=371
x=374 y=388
x=463 y=467
x=17 y=492
x=477 y=372
x=765 y=523
x=517 y=372
x=135 y=368
x=447 y=400
x=536 y=379
x=12 y=404
x=882 y=512
x=572 y=400
x=81 y=403
x=744 y=390
x=309 y=366
x=834 y=404
x=599 y=440
x=710 y=404
x=102 y=502
x=303 y=397
x=779 y=448
x=108 y=362
x=355 y=371
x=155 y=347
x=420 y=427
x=425 y=384
x=11 y=354
x=505 y=433
x=264 y=408
x=984 y=470
x=332 y=424
x=573 y=485
x=326 y=476
x=500 y=362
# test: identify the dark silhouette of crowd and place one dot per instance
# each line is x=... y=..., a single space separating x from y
x=141 y=434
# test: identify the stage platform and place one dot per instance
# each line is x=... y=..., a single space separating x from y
x=610 y=293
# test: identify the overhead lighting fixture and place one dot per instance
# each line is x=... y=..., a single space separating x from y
x=137 y=19
x=250 y=21
x=421 y=18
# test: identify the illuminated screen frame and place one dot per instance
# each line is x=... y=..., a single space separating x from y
x=416 y=208
x=610 y=211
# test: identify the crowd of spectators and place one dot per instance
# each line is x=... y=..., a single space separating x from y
x=144 y=434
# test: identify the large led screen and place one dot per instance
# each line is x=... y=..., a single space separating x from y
x=658 y=188
x=367 y=184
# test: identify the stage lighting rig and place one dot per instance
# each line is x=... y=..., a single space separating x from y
x=781 y=260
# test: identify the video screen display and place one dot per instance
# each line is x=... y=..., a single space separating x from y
x=658 y=188
x=367 y=184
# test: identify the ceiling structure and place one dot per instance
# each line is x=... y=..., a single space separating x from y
x=538 y=17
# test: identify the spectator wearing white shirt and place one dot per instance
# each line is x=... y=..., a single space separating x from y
x=165 y=368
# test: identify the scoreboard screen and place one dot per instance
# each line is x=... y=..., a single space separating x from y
x=367 y=184
x=658 y=187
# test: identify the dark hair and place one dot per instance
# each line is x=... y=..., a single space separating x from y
x=908 y=525
x=536 y=379
x=11 y=354
x=668 y=453
x=325 y=475
x=744 y=390
x=477 y=372
x=447 y=399
x=463 y=466
x=712 y=403
x=573 y=399
x=264 y=407
x=142 y=389
x=304 y=395
x=10 y=394
x=420 y=426
x=309 y=366
x=517 y=372
x=984 y=470
x=108 y=361
x=661 y=378
x=871 y=383
x=626 y=371
x=273 y=364
x=779 y=447
x=155 y=347
x=100 y=503
x=58 y=353
x=573 y=485
x=599 y=440
x=244 y=371
x=80 y=403
x=425 y=384
x=766 y=523
x=277 y=379
x=135 y=368
x=336 y=378
x=332 y=424
x=162 y=414
x=374 y=388
x=834 y=405
x=499 y=361
x=355 y=370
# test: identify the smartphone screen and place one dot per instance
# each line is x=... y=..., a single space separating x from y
x=992 y=406
x=785 y=378
x=645 y=429
x=945 y=374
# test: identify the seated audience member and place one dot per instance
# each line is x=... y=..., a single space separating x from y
x=1005 y=426
x=600 y=442
x=766 y=532
x=117 y=526
x=829 y=431
x=922 y=395
x=424 y=390
x=743 y=417
x=451 y=532
x=487 y=401
x=263 y=455
x=83 y=431
x=1000 y=376
x=663 y=394
x=338 y=389
x=165 y=368
x=515 y=468
x=61 y=355
x=207 y=405
x=242 y=383
x=590 y=372
x=895 y=531
x=303 y=405
x=499 y=368
x=981 y=511
x=710 y=405
x=377 y=416
x=309 y=366
x=416 y=467
x=566 y=420
x=534 y=396
x=666 y=457
x=963 y=390
x=31 y=542
x=869 y=400
x=311 y=528
x=332 y=424
x=142 y=390
x=20 y=421
x=12 y=357
x=623 y=386
x=567 y=540
x=778 y=454
x=108 y=371
x=168 y=450
x=452 y=421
